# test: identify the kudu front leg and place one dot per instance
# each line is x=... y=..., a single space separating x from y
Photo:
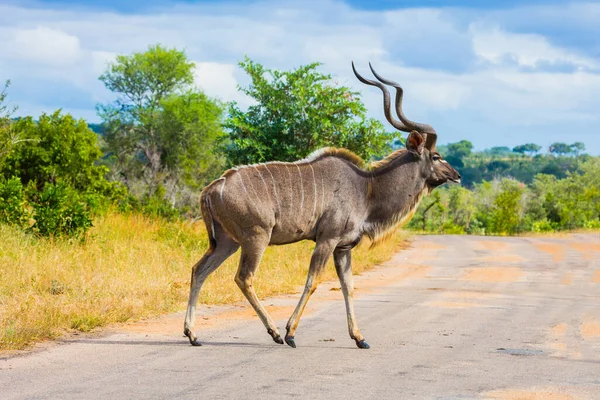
x=343 y=267
x=318 y=260
x=251 y=254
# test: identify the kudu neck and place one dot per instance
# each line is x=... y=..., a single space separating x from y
x=395 y=188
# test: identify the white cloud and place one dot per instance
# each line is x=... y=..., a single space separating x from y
x=47 y=46
x=495 y=46
x=456 y=66
x=218 y=80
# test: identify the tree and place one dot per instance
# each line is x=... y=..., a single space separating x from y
x=457 y=152
x=61 y=149
x=161 y=126
x=560 y=148
x=577 y=148
x=5 y=111
x=297 y=112
x=461 y=204
x=530 y=148
x=8 y=137
x=507 y=207
x=499 y=151
x=54 y=179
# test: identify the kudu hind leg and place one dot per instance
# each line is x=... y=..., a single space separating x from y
x=318 y=260
x=251 y=255
x=343 y=267
x=211 y=260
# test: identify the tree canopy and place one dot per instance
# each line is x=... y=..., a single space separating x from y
x=297 y=112
x=530 y=148
x=7 y=136
x=455 y=152
x=161 y=130
x=59 y=148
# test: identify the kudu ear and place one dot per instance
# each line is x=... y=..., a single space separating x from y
x=415 y=143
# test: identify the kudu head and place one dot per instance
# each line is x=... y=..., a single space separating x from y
x=421 y=137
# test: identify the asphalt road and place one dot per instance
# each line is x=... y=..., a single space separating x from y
x=453 y=317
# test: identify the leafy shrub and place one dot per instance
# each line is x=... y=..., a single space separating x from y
x=59 y=210
x=452 y=229
x=544 y=226
x=594 y=224
x=157 y=207
x=507 y=208
x=12 y=202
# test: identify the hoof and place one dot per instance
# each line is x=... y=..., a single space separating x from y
x=362 y=344
x=290 y=341
x=193 y=339
x=276 y=337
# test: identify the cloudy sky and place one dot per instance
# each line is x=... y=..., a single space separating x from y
x=493 y=72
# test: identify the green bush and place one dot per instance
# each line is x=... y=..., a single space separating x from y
x=594 y=224
x=450 y=228
x=12 y=202
x=59 y=210
x=507 y=208
x=544 y=226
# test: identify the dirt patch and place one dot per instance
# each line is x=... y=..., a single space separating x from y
x=559 y=329
x=534 y=394
x=390 y=276
x=588 y=250
x=493 y=245
x=556 y=339
x=451 y=304
x=567 y=279
x=500 y=274
x=586 y=246
x=462 y=299
x=431 y=246
x=558 y=346
x=590 y=328
x=508 y=258
x=556 y=250
x=471 y=294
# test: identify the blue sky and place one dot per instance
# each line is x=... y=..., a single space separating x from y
x=492 y=72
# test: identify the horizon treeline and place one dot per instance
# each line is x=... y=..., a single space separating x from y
x=162 y=140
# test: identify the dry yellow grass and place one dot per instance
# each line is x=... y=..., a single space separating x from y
x=129 y=268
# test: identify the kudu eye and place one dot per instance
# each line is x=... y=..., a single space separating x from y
x=436 y=157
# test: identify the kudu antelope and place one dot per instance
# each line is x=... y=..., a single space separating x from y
x=331 y=197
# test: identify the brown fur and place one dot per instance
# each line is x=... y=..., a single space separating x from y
x=341 y=153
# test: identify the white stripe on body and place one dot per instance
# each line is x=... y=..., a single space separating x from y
x=322 y=193
x=274 y=189
x=301 y=187
x=291 y=187
x=222 y=187
x=315 y=191
x=251 y=186
x=263 y=180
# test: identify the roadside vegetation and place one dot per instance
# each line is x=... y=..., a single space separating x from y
x=99 y=223
x=507 y=192
x=129 y=267
x=102 y=226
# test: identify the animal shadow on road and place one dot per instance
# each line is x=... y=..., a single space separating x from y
x=186 y=344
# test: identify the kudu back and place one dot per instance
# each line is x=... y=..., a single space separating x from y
x=332 y=198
